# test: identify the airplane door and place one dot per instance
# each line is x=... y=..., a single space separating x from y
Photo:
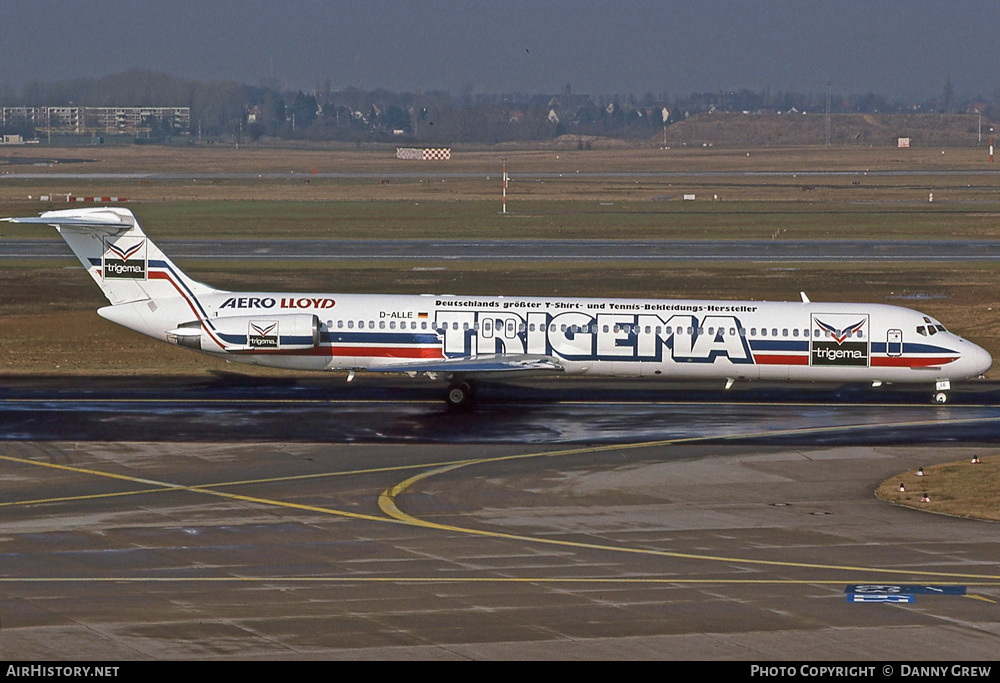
x=894 y=343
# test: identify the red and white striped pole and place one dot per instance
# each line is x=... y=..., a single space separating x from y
x=504 y=186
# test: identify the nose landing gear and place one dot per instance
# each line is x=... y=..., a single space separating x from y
x=941 y=387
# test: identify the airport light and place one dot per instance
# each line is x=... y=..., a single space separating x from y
x=504 y=186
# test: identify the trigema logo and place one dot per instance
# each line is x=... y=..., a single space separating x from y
x=839 y=340
x=262 y=335
x=124 y=259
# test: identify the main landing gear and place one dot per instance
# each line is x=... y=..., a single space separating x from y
x=460 y=394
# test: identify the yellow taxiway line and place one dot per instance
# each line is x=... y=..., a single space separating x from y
x=388 y=504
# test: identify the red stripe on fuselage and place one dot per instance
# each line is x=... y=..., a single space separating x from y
x=163 y=275
x=876 y=361
x=353 y=351
x=912 y=362
x=782 y=359
x=384 y=352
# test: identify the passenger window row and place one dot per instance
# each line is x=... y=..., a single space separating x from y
x=753 y=332
x=382 y=324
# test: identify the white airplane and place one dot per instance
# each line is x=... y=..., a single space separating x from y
x=464 y=338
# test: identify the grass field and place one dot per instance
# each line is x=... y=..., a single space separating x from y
x=596 y=194
x=299 y=174
x=538 y=219
x=961 y=488
x=543 y=158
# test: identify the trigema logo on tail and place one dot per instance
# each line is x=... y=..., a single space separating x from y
x=839 y=339
x=262 y=335
x=125 y=259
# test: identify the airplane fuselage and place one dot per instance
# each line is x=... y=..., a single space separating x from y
x=614 y=337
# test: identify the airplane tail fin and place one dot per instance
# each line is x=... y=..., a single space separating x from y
x=123 y=261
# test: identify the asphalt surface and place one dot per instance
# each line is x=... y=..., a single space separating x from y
x=547 y=250
x=377 y=409
x=306 y=519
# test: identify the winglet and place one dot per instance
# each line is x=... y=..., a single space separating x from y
x=805 y=299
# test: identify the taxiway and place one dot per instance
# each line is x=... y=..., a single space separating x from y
x=616 y=527
x=764 y=251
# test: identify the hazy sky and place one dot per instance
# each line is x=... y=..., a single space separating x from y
x=903 y=49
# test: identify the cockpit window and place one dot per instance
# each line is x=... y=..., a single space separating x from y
x=932 y=327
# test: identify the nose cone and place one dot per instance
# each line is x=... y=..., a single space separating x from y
x=976 y=359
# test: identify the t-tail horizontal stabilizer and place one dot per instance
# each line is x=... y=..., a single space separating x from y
x=100 y=220
x=121 y=259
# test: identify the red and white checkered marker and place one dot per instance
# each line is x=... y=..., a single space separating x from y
x=423 y=153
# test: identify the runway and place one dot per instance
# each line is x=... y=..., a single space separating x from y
x=629 y=523
x=796 y=175
x=779 y=251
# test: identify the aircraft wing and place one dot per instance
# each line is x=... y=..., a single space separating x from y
x=480 y=365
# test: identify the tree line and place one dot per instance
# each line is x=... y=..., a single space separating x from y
x=225 y=110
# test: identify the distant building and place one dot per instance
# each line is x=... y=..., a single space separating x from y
x=17 y=140
x=103 y=120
